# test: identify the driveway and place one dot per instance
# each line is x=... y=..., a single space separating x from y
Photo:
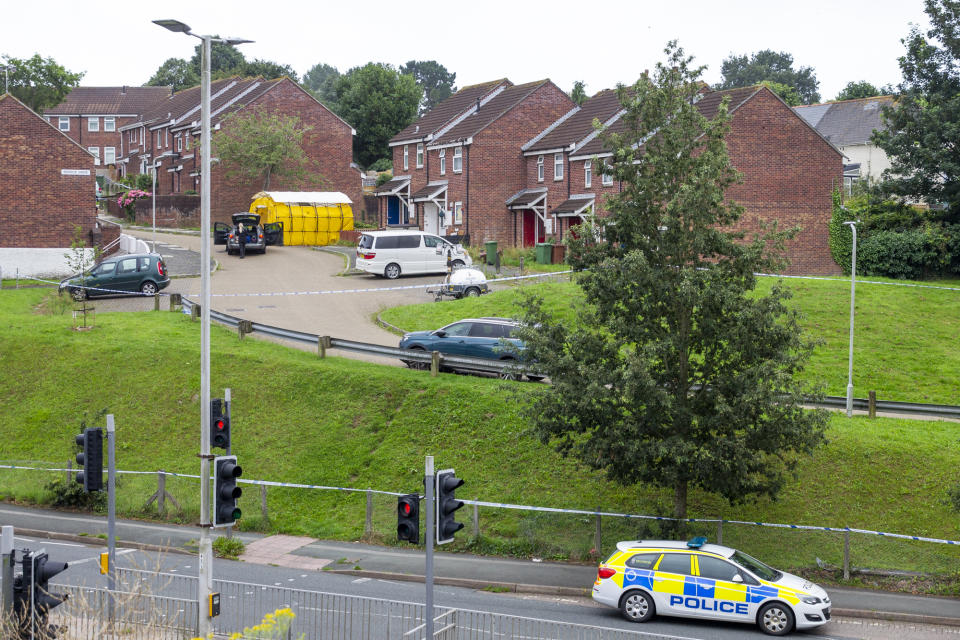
x=291 y=270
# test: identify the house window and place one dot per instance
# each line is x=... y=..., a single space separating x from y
x=587 y=174
x=179 y=144
x=159 y=140
x=539 y=168
x=95 y=152
x=109 y=123
x=558 y=166
x=188 y=142
x=419 y=156
x=606 y=178
x=458 y=160
x=93 y=124
x=406 y=157
x=443 y=162
x=457 y=213
x=63 y=123
x=166 y=137
x=109 y=155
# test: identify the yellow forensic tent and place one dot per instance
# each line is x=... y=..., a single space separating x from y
x=308 y=217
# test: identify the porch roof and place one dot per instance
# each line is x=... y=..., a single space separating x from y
x=393 y=186
x=429 y=192
x=575 y=205
x=526 y=198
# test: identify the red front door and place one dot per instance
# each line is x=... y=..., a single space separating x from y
x=532 y=229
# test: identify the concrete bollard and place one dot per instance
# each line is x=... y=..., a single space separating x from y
x=195 y=312
x=434 y=363
x=176 y=301
x=156 y=302
x=323 y=343
x=244 y=327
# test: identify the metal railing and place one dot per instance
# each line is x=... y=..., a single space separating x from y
x=345 y=617
x=137 y=615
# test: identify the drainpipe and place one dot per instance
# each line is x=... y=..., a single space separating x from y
x=467 y=203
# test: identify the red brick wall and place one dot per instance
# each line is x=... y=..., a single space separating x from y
x=39 y=207
x=328 y=144
x=496 y=165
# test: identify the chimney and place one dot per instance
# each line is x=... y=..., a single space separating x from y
x=478 y=105
x=123 y=91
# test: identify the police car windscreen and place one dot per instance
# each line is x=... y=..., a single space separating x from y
x=757 y=567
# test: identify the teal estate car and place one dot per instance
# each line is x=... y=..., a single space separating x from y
x=143 y=273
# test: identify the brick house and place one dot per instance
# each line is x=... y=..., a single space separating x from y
x=93 y=116
x=455 y=167
x=168 y=135
x=47 y=190
x=788 y=169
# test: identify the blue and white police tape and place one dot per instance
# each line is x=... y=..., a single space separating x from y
x=100 y=289
x=521 y=507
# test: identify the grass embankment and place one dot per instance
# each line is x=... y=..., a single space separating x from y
x=345 y=423
x=905 y=338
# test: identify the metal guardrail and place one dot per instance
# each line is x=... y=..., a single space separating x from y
x=330 y=615
x=137 y=615
x=511 y=368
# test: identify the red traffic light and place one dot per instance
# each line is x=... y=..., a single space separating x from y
x=220 y=425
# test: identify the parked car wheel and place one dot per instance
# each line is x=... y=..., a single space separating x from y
x=508 y=375
x=535 y=378
x=148 y=288
x=471 y=292
x=392 y=271
x=775 y=619
x=416 y=364
x=78 y=294
x=637 y=606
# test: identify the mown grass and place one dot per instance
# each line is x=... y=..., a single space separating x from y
x=338 y=422
x=905 y=338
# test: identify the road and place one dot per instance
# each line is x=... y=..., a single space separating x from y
x=83 y=571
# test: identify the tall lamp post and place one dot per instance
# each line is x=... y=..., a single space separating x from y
x=853 y=295
x=153 y=191
x=205 y=623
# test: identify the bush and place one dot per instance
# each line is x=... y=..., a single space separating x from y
x=383 y=164
x=230 y=548
x=71 y=494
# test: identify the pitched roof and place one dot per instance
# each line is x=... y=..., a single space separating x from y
x=128 y=101
x=847 y=122
x=9 y=99
x=488 y=113
x=707 y=105
x=183 y=107
x=448 y=110
x=577 y=124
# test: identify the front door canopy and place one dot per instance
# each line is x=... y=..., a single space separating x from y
x=533 y=199
x=576 y=205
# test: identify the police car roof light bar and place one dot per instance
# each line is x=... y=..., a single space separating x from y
x=697 y=542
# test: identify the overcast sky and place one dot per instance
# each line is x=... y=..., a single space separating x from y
x=601 y=43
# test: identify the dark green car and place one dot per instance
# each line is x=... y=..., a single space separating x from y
x=142 y=273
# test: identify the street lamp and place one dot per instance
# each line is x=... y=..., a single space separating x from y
x=153 y=191
x=853 y=294
x=204 y=624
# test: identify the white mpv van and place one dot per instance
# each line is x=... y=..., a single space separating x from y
x=392 y=253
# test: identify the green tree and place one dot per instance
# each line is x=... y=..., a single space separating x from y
x=676 y=372
x=923 y=126
x=855 y=90
x=744 y=70
x=225 y=60
x=379 y=102
x=433 y=79
x=321 y=80
x=39 y=83
x=787 y=93
x=268 y=69
x=259 y=145
x=579 y=92
x=175 y=72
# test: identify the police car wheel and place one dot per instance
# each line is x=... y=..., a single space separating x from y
x=637 y=606
x=775 y=619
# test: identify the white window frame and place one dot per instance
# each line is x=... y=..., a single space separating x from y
x=606 y=179
x=95 y=152
x=159 y=140
x=443 y=161
x=63 y=123
x=458 y=159
x=406 y=157
x=557 y=166
x=93 y=123
x=587 y=174
x=457 y=213
x=539 y=168
x=179 y=143
x=109 y=123
x=109 y=155
x=419 y=155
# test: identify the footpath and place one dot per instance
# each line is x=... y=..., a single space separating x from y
x=453 y=569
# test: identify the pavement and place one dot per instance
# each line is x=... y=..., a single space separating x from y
x=407 y=563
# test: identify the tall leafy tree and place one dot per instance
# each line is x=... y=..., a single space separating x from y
x=579 y=92
x=433 y=79
x=379 y=102
x=923 y=126
x=268 y=69
x=855 y=90
x=321 y=80
x=39 y=83
x=225 y=60
x=256 y=145
x=677 y=372
x=175 y=72
x=744 y=70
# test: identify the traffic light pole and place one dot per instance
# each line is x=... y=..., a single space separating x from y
x=428 y=482
x=111 y=510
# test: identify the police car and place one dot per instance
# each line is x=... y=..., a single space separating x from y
x=699 y=580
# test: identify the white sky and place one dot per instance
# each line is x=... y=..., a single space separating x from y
x=601 y=43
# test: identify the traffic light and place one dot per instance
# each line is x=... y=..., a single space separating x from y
x=447 y=505
x=90 y=458
x=32 y=598
x=226 y=491
x=219 y=424
x=408 y=518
